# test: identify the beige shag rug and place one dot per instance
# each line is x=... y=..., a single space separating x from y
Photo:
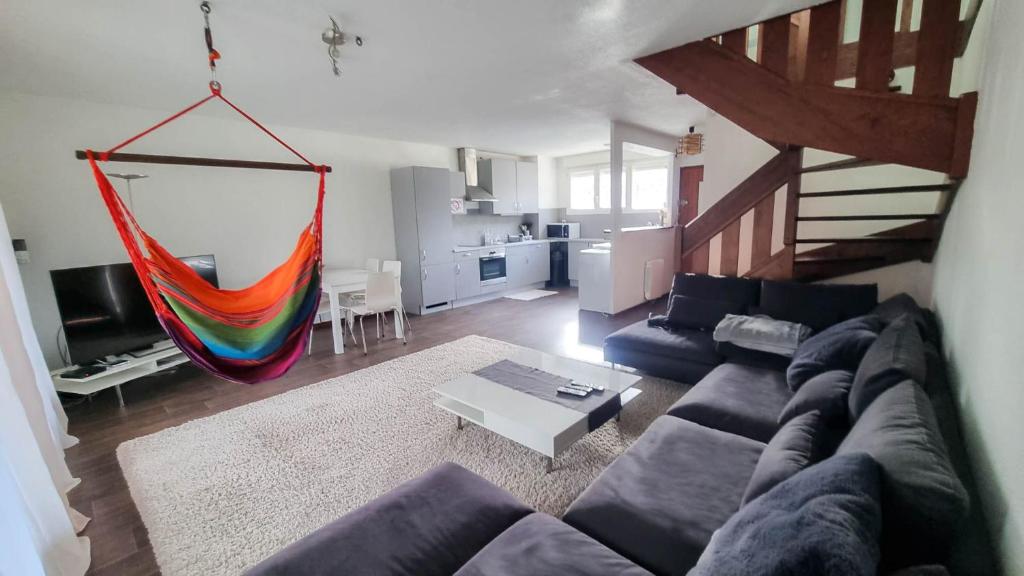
x=221 y=493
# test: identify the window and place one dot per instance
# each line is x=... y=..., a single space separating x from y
x=650 y=188
x=581 y=190
x=644 y=187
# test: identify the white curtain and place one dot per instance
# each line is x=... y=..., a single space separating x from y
x=38 y=530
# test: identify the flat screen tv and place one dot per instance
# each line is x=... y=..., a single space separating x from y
x=104 y=310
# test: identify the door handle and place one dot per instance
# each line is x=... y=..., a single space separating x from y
x=423 y=256
x=458 y=268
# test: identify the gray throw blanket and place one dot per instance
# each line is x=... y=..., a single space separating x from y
x=761 y=333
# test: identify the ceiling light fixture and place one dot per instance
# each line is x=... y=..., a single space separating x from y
x=335 y=38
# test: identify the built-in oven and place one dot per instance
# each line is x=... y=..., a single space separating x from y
x=492 y=267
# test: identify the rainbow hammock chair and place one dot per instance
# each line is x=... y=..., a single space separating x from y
x=249 y=335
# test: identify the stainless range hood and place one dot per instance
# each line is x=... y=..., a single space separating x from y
x=467 y=164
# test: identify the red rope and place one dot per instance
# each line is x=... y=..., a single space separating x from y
x=105 y=155
x=261 y=127
x=215 y=93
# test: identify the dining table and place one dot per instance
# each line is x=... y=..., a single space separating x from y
x=338 y=282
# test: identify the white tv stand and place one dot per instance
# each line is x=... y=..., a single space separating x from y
x=132 y=369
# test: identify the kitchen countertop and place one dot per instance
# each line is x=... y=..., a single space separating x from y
x=458 y=249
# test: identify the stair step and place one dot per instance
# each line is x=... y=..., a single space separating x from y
x=840 y=165
x=831 y=259
x=887 y=190
x=868 y=217
x=862 y=239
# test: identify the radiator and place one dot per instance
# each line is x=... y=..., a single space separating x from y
x=654 y=278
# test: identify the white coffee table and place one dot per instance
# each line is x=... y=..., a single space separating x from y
x=538 y=424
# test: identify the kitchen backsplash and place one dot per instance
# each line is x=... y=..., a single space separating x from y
x=469 y=228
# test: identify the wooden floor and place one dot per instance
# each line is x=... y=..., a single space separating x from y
x=119 y=542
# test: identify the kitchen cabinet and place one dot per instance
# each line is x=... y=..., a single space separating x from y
x=424 y=236
x=513 y=184
x=438 y=281
x=527 y=264
x=467 y=275
x=527 y=193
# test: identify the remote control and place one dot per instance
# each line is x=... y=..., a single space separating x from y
x=579 y=384
x=572 y=391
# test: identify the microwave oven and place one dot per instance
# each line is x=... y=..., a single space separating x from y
x=564 y=230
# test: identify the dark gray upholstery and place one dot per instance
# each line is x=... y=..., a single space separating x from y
x=659 y=502
x=816 y=305
x=740 y=290
x=700 y=313
x=823 y=521
x=901 y=304
x=796 y=446
x=839 y=347
x=827 y=393
x=897 y=355
x=682 y=355
x=971 y=552
x=539 y=545
x=756 y=358
x=430 y=525
x=923 y=501
x=930 y=570
x=739 y=399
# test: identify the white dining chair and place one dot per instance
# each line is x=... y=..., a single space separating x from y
x=395 y=267
x=381 y=297
x=325 y=308
x=354 y=298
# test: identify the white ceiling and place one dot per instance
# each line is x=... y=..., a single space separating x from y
x=517 y=76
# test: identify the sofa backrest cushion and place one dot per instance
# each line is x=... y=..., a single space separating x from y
x=903 y=303
x=828 y=393
x=797 y=445
x=739 y=290
x=839 y=347
x=824 y=520
x=816 y=305
x=896 y=355
x=923 y=500
x=700 y=313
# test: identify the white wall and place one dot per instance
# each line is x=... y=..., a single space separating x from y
x=979 y=271
x=632 y=250
x=249 y=219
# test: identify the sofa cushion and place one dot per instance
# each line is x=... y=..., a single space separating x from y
x=740 y=290
x=897 y=355
x=699 y=313
x=816 y=305
x=659 y=502
x=797 y=445
x=827 y=393
x=659 y=365
x=839 y=347
x=431 y=525
x=739 y=399
x=904 y=303
x=923 y=500
x=540 y=544
x=687 y=344
x=823 y=520
x=737 y=355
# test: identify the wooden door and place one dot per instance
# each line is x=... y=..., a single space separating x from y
x=690 y=178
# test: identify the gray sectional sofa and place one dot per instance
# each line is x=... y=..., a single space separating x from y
x=740 y=476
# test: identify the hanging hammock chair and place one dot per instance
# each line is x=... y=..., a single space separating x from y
x=249 y=335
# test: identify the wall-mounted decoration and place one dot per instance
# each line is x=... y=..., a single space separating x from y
x=691 y=144
x=458 y=206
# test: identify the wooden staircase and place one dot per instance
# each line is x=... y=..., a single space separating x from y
x=785 y=93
